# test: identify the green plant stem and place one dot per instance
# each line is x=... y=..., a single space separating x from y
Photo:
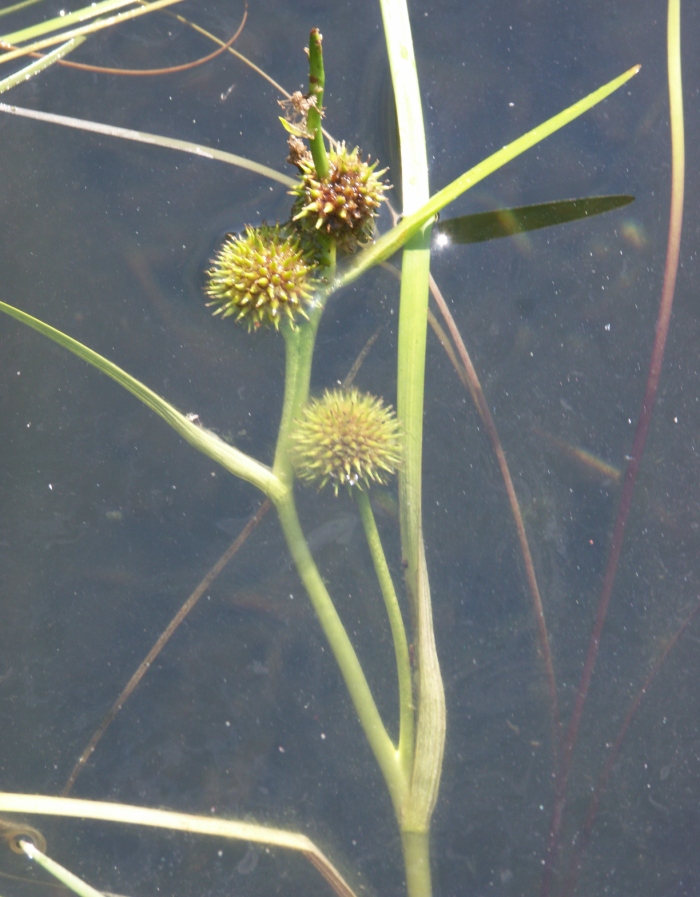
x=416 y=852
x=431 y=715
x=317 y=83
x=384 y=750
x=71 y=881
x=299 y=345
x=413 y=323
x=299 y=354
x=398 y=631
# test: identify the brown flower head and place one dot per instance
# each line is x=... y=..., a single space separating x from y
x=345 y=203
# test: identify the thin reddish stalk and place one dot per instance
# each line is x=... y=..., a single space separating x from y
x=162 y=641
x=657 y=355
x=469 y=377
x=105 y=70
x=490 y=426
x=587 y=827
x=163 y=71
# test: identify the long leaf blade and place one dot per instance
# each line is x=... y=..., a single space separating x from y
x=232 y=459
x=394 y=239
x=508 y=222
x=58 y=22
x=39 y=65
x=184 y=146
x=90 y=28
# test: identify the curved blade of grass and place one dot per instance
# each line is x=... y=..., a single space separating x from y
x=184 y=146
x=180 y=822
x=84 y=29
x=507 y=222
x=60 y=873
x=232 y=459
x=416 y=812
x=394 y=239
x=40 y=64
x=60 y=22
x=17 y=6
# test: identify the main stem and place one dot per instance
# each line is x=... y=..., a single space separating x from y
x=413 y=322
x=384 y=750
x=299 y=350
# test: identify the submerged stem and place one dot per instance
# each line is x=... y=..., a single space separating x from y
x=300 y=346
x=431 y=714
x=416 y=855
x=384 y=750
x=398 y=631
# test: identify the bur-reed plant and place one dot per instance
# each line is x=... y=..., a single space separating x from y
x=283 y=276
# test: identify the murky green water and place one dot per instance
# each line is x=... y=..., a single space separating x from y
x=109 y=520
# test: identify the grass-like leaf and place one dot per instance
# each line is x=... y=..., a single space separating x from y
x=60 y=22
x=106 y=22
x=507 y=222
x=179 y=822
x=40 y=64
x=184 y=146
x=8 y=10
x=232 y=459
x=394 y=239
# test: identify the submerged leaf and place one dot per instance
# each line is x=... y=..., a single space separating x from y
x=506 y=222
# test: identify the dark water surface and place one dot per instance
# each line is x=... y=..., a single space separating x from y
x=108 y=520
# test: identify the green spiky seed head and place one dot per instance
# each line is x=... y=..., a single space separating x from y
x=262 y=277
x=345 y=203
x=346 y=438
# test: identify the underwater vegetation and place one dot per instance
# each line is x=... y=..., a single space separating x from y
x=398 y=670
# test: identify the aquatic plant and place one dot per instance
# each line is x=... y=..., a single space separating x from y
x=412 y=763
x=261 y=278
x=348 y=439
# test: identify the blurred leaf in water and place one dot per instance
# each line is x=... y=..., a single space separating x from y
x=507 y=222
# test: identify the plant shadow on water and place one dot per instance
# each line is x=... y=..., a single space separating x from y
x=109 y=520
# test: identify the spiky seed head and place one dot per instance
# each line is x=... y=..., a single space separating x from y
x=262 y=277
x=346 y=438
x=345 y=203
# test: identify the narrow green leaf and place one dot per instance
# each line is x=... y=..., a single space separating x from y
x=40 y=64
x=507 y=222
x=292 y=129
x=17 y=6
x=233 y=460
x=184 y=146
x=80 y=15
x=394 y=239
x=89 y=28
